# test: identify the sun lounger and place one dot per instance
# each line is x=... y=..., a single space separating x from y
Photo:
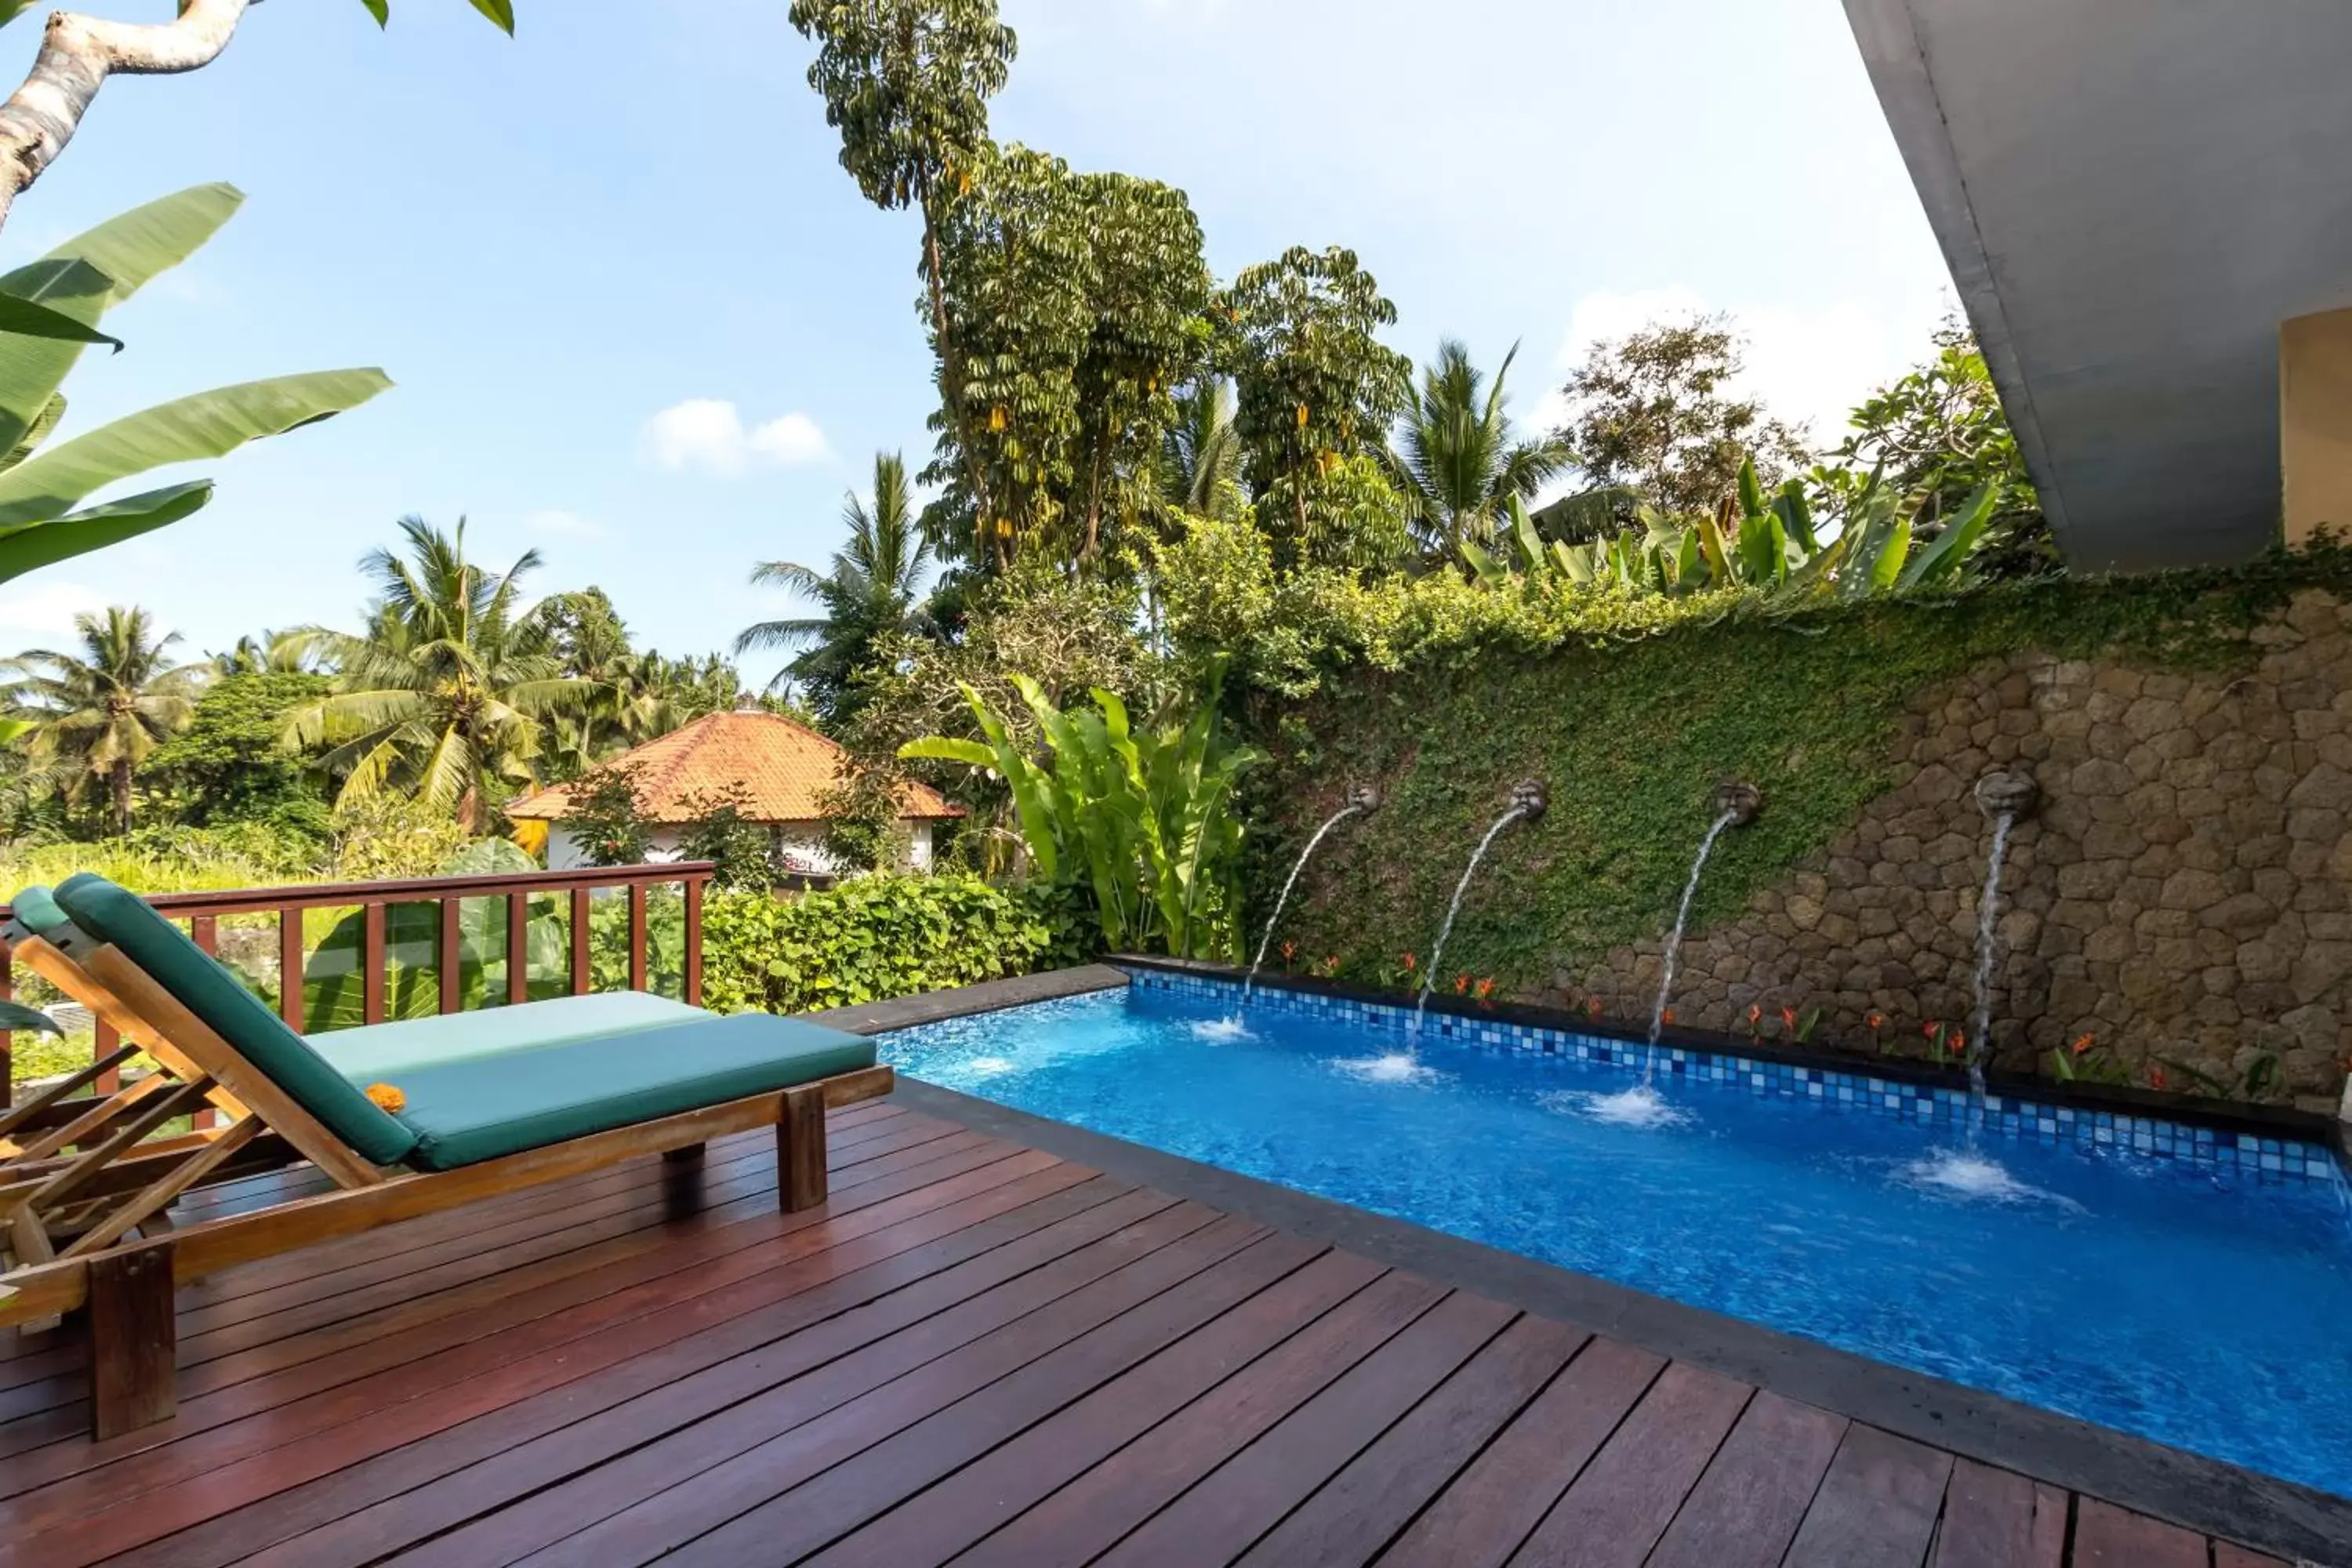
x=406 y=1119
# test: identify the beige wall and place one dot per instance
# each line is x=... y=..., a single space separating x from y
x=2316 y=422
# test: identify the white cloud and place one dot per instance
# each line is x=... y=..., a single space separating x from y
x=46 y=615
x=1810 y=367
x=709 y=434
x=561 y=524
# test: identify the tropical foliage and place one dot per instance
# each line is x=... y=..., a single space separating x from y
x=43 y=488
x=871 y=589
x=445 y=694
x=1143 y=818
x=98 y=715
x=1457 y=459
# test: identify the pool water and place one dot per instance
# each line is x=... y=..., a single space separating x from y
x=2209 y=1311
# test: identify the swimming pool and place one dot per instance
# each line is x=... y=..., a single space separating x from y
x=2198 y=1300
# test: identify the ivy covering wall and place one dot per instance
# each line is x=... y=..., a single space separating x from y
x=1632 y=736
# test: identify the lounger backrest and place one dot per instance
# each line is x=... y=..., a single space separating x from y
x=221 y=1000
x=38 y=912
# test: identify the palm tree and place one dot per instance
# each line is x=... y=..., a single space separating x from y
x=100 y=715
x=271 y=653
x=869 y=591
x=1200 y=454
x=444 y=695
x=1459 y=465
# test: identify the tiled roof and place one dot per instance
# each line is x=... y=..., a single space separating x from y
x=780 y=769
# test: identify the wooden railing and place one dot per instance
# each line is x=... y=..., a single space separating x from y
x=202 y=913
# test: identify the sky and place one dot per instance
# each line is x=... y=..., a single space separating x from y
x=640 y=320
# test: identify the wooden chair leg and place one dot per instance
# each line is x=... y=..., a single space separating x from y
x=691 y=1154
x=29 y=1245
x=132 y=1340
x=799 y=1148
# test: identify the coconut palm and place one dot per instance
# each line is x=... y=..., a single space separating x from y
x=98 y=715
x=444 y=696
x=1456 y=462
x=1200 y=455
x=869 y=590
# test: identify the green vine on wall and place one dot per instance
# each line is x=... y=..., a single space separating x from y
x=1633 y=733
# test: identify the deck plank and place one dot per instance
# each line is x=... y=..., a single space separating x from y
x=2106 y=1536
x=1319 y=1316
x=1616 y=1510
x=1480 y=1520
x=1248 y=1495
x=1877 y=1506
x=1998 y=1519
x=1746 y=1507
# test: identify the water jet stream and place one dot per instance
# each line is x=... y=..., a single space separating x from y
x=1728 y=816
x=1527 y=800
x=1360 y=803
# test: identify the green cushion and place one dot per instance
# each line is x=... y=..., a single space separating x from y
x=37 y=912
x=237 y=1015
x=385 y=1053
x=464 y=1112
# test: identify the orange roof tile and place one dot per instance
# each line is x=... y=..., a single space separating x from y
x=780 y=768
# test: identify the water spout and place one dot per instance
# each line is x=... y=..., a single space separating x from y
x=2003 y=798
x=1528 y=801
x=1362 y=801
x=1735 y=806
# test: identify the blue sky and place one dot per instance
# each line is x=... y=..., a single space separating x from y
x=640 y=319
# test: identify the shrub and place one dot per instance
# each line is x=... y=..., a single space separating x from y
x=866 y=941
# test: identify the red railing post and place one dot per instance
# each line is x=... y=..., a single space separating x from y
x=583 y=936
x=517 y=948
x=636 y=936
x=204 y=931
x=8 y=1037
x=693 y=980
x=290 y=965
x=449 y=959
x=371 y=963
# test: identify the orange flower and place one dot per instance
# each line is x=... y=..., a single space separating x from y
x=386 y=1098
x=1461 y=983
x=1789 y=1017
x=1876 y=1021
x=1959 y=1043
x=1409 y=964
x=1486 y=989
x=1754 y=1012
x=1289 y=951
x=1592 y=1008
x=1667 y=1017
x=2083 y=1044
x=1931 y=1029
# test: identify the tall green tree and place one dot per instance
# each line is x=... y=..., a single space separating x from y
x=1316 y=392
x=444 y=696
x=1654 y=421
x=1457 y=459
x=101 y=712
x=870 y=590
x=227 y=765
x=907 y=83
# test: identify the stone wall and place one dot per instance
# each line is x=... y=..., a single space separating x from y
x=2183 y=895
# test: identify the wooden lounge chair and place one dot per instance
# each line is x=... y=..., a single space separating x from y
x=82 y=1204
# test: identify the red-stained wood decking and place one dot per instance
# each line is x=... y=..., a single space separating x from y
x=974 y=1354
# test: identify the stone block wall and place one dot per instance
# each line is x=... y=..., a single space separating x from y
x=2183 y=895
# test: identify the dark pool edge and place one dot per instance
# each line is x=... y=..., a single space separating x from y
x=2200 y=1494
x=2220 y=1115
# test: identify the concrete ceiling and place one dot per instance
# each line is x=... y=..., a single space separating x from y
x=2132 y=194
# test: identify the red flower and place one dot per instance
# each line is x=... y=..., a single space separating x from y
x=1461 y=983
x=1876 y=1021
x=1959 y=1043
x=2083 y=1044
x=1789 y=1017
x=1755 y=1012
x=1931 y=1029
x=1486 y=989
x=1593 y=1007
x=1408 y=963
x=2155 y=1078
x=1289 y=951
x=1667 y=1017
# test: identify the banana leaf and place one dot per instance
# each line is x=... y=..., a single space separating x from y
x=1947 y=554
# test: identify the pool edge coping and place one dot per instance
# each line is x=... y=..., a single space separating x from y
x=2207 y=1495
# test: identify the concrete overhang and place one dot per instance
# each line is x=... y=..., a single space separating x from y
x=2133 y=195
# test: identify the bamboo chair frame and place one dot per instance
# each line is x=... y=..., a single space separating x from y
x=84 y=1203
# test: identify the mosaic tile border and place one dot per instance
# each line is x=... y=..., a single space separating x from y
x=2243 y=1154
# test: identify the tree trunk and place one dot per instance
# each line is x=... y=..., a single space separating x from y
x=78 y=54
x=118 y=788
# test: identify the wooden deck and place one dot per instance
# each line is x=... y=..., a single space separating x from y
x=976 y=1352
